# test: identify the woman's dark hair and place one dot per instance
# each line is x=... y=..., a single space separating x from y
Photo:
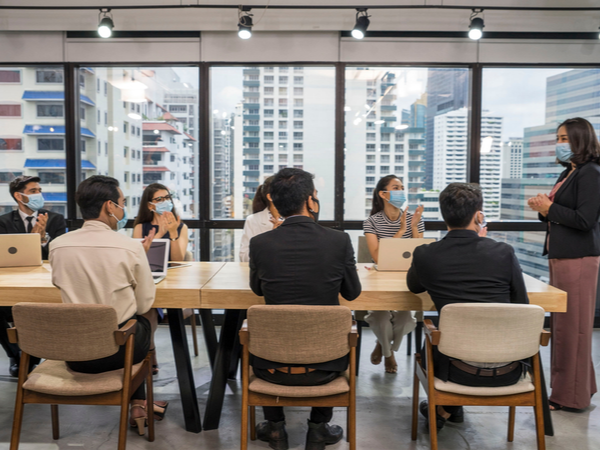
x=378 y=202
x=290 y=190
x=261 y=201
x=145 y=215
x=459 y=202
x=583 y=141
x=93 y=192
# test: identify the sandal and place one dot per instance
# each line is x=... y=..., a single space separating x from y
x=390 y=364
x=556 y=407
x=160 y=409
x=377 y=354
x=138 y=418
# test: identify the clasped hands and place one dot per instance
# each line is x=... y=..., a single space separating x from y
x=167 y=222
x=540 y=203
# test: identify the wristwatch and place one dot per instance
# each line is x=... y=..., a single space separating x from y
x=45 y=238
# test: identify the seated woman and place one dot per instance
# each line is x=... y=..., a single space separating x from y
x=387 y=220
x=264 y=217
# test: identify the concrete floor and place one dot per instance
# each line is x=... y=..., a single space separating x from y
x=383 y=409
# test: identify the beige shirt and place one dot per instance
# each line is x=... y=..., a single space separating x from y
x=95 y=265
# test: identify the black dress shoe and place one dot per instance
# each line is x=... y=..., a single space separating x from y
x=13 y=368
x=457 y=417
x=274 y=433
x=321 y=434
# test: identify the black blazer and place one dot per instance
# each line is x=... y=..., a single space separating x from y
x=574 y=231
x=12 y=223
x=303 y=263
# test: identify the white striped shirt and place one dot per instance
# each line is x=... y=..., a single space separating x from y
x=380 y=225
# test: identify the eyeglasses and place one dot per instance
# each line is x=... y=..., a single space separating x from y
x=124 y=203
x=162 y=199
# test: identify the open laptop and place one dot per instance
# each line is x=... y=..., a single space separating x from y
x=19 y=250
x=395 y=255
x=158 y=257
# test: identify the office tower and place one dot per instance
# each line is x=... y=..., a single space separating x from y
x=450 y=155
x=512 y=158
x=447 y=90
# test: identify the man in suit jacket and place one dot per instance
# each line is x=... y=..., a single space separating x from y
x=465 y=267
x=28 y=218
x=301 y=262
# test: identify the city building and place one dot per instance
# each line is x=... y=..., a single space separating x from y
x=512 y=158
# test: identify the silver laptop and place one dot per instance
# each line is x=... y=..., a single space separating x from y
x=158 y=257
x=19 y=250
x=395 y=255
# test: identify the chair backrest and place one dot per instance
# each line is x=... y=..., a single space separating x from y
x=189 y=256
x=490 y=332
x=298 y=334
x=66 y=332
x=364 y=256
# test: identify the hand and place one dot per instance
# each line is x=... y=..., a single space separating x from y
x=275 y=221
x=162 y=226
x=541 y=203
x=172 y=224
x=483 y=232
x=40 y=224
x=417 y=215
x=147 y=241
x=402 y=229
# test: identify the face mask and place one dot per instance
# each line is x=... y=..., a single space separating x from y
x=397 y=199
x=163 y=207
x=315 y=214
x=120 y=223
x=563 y=152
x=36 y=201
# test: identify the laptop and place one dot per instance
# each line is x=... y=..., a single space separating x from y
x=395 y=255
x=19 y=250
x=158 y=257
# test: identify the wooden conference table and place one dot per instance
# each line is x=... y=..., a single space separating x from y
x=218 y=285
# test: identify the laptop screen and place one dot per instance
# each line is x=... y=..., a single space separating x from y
x=158 y=257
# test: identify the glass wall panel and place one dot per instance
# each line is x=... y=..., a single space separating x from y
x=225 y=245
x=32 y=132
x=265 y=119
x=140 y=126
x=411 y=122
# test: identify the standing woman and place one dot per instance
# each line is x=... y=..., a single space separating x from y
x=264 y=217
x=571 y=212
x=387 y=220
x=156 y=212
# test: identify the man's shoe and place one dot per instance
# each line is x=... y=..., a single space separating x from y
x=274 y=433
x=13 y=367
x=321 y=434
x=457 y=417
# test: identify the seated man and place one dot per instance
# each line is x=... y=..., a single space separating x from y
x=301 y=263
x=464 y=267
x=29 y=217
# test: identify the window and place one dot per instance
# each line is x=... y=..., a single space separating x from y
x=283 y=124
x=385 y=148
x=105 y=118
x=125 y=125
x=283 y=135
x=370 y=180
x=51 y=144
x=10 y=76
x=399 y=158
x=298 y=103
x=268 y=124
x=283 y=146
x=384 y=169
x=283 y=113
x=177 y=108
x=49 y=76
x=125 y=176
x=99 y=147
x=298 y=124
x=298 y=158
x=283 y=158
x=10 y=110
x=384 y=159
x=7 y=177
x=268 y=113
x=398 y=169
x=371 y=159
x=50 y=110
x=283 y=91
x=298 y=135
x=298 y=147
x=283 y=80
x=267 y=102
x=283 y=102
x=81 y=113
x=298 y=91
x=370 y=147
x=268 y=135
x=10 y=144
x=298 y=80
x=51 y=177
x=83 y=145
x=125 y=152
x=399 y=147
x=268 y=90
x=370 y=169
x=268 y=158
x=269 y=79
x=298 y=114
x=268 y=146
x=99 y=119
x=268 y=169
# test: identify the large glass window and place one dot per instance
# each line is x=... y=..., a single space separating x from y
x=28 y=96
x=423 y=114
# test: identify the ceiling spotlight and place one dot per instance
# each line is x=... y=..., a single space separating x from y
x=105 y=24
x=476 y=26
x=244 y=23
x=362 y=23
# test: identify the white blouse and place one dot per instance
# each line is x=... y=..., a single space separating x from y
x=255 y=224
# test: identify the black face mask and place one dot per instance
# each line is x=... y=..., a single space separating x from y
x=315 y=214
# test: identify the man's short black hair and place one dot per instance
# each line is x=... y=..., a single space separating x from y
x=459 y=202
x=20 y=183
x=290 y=190
x=93 y=192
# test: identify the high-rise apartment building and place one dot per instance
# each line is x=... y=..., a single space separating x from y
x=512 y=158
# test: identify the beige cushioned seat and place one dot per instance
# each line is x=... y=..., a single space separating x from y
x=524 y=385
x=55 y=378
x=337 y=386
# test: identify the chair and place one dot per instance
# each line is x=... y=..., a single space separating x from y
x=487 y=332
x=67 y=332
x=294 y=334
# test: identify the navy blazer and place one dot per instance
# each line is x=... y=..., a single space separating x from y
x=11 y=223
x=574 y=231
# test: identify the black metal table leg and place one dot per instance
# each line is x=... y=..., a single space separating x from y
x=359 y=326
x=185 y=376
x=409 y=342
x=236 y=353
x=548 y=426
x=216 y=394
x=210 y=335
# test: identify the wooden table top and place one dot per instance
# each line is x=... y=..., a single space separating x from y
x=382 y=291
x=218 y=285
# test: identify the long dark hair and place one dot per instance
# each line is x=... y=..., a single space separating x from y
x=261 y=201
x=582 y=140
x=146 y=215
x=378 y=202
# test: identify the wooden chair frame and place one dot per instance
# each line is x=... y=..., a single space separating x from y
x=123 y=336
x=252 y=399
x=435 y=397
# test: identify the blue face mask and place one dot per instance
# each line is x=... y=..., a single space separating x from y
x=563 y=152
x=397 y=199
x=163 y=207
x=36 y=201
x=120 y=223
